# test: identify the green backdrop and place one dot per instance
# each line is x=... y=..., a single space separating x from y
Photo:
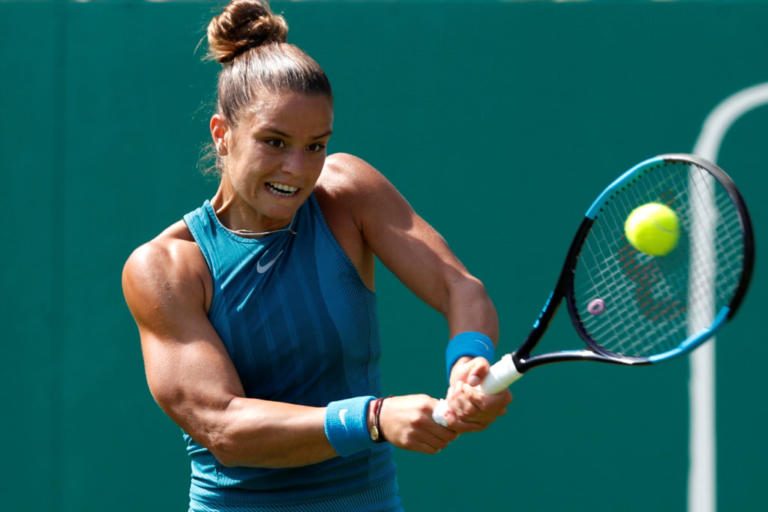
x=498 y=121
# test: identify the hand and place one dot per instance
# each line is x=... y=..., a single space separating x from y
x=406 y=422
x=471 y=410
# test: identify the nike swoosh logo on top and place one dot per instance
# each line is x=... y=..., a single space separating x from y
x=263 y=268
x=484 y=343
x=342 y=416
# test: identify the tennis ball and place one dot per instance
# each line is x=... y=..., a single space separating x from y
x=653 y=228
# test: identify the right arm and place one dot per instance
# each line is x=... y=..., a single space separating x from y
x=167 y=287
x=191 y=376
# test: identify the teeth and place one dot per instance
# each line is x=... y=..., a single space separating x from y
x=282 y=188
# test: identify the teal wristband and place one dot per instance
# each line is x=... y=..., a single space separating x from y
x=346 y=425
x=470 y=343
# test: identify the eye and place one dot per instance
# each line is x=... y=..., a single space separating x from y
x=275 y=143
x=317 y=147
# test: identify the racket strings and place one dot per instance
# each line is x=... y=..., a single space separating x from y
x=632 y=284
x=651 y=304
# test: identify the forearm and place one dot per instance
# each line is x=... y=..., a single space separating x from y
x=261 y=433
x=469 y=308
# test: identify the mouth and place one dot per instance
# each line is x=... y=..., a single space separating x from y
x=281 y=189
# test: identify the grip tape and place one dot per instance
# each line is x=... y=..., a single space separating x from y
x=501 y=375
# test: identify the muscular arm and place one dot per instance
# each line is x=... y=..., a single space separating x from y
x=408 y=246
x=189 y=372
x=191 y=375
x=422 y=260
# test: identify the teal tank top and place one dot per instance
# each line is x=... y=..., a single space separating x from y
x=300 y=327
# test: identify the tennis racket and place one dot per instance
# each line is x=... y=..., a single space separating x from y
x=632 y=308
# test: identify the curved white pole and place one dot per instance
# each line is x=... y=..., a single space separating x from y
x=702 y=474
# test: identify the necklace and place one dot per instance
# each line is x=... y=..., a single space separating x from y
x=249 y=233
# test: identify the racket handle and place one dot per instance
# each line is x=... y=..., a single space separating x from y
x=501 y=375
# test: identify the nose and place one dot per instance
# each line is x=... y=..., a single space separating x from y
x=295 y=162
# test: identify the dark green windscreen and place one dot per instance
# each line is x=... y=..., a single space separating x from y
x=499 y=122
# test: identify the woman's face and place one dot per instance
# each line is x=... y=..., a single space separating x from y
x=274 y=156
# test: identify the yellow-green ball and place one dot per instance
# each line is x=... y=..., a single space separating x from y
x=653 y=228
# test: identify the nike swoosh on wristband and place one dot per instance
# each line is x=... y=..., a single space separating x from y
x=263 y=268
x=342 y=415
x=484 y=343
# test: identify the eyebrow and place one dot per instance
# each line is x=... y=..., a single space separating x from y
x=283 y=134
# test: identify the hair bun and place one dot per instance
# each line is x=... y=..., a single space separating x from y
x=243 y=25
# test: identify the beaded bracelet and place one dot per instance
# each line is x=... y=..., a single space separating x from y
x=377 y=436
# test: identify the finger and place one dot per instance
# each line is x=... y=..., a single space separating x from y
x=467 y=401
x=504 y=397
x=436 y=429
x=476 y=406
x=460 y=402
x=460 y=369
x=426 y=448
x=442 y=433
x=452 y=390
x=430 y=443
x=474 y=397
x=445 y=435
x=458 y=398
x=479 y=368
x=484 y=400
x=496 y=401
x=463 y=427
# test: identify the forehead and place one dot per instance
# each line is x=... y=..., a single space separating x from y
x=290 y=111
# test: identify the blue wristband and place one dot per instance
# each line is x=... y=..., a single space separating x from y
x=470 y=343
x=346 y=425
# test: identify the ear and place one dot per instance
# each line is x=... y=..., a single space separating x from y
x=219 y=133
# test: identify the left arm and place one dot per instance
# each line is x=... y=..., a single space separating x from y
x=422 y=260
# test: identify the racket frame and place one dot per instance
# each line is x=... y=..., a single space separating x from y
x=564 y=288
x=512 y=366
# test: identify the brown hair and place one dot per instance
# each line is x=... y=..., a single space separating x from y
x=249 y=41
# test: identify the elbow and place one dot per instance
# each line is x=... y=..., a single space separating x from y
x=224 y=443
x=209 y=428
x=234 y=443
x=468 y=289
x=231 y=451
x=477 y=287
x=224 y=450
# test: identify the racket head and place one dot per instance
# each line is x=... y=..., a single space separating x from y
x=634 y=308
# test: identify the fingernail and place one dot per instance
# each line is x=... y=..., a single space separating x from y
x=473 y=380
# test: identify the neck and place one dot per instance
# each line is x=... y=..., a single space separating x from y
x=256 y=234
x=243 y=220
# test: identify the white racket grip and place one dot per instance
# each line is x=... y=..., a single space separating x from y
x=501 y=375
x=438 y=413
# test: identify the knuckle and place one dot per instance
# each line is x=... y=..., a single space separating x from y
x=417 y=417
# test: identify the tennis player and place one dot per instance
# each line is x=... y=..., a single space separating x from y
x=256 y=312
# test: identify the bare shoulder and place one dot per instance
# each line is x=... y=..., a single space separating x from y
x=345 y=194
x=346 y=174
x=352 y=184
x=165 y=271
